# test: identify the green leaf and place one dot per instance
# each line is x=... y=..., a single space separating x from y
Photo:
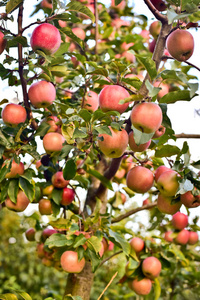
x=149 y=65
x=167 y=151
x=94 y=243
x=140 y=137
x=27 y=188
x=85 y=115
x=172 y=15
x=56 y=195
x=153 y=91
x=12 y=5
x=78 y=133
x=121 y=241
x=157 y=289
x=4 y=141
x=13 y=189
x=78 y=7
x=58 y=240
x=4 y=191
x=69 y=170
x=79 y=241
x=23 y=294
x=17 y=40
x=70 y=297
x=8 y=296
x=4 y=170
x=175 y=96
x=68 y=131
x=99 y=176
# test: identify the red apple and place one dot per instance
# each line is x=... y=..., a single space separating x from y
x=42 y=93
x=160 y=170
x=152 y=46
x=53 y=141
x=159 y=132
x=182 y=237
x=141 y=287
x=180 y=44
x=21 y=203
x=47 y=232
x=91 y=101
x=193 y=237
x=40 y=250
x=53 y=122
x=45 y=206
x=146 y=201
x=30 y=234
x=114 y=145
x=159 y=4
x=110 y=97
x=70 y=263
x=67 y=196
x=165 y=206
x=13 y=114
x=58 y=180
x=179 y=220
x=16 y=169
x=168 y=236
x=164 y=89
x=62 y=23
x=79 y=32
x=154 y=29
x=2 y=42
x=189 y=200
x=45 y=37
x=137 y=148
x=151 y=267
x=168 y=183
x=139 y=179
x=129 y=56
x=137 y=244
x=146 y=117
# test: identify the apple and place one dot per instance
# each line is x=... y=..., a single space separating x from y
x=168 y=236
x=21 y=203
x=129 y=56
x=193 y=237
x=164 y=204
x=46 y=4
x=137 y=148
x=146 y=201
x=53 y=141
x=45 y=206
x=141 y=287
x=151 y=267
x=164 y=89
x=16 y=169
x=160 y=170
x=159 y=132
x=168 y=183
x=114 y=145
x=120 y=173
x=70 y=263
x=139 y=179
x=126 y=46
x=13 y=114
x=152 y=46
x=38 y=164
x=47 y=191
x=110 y=97
x=47 y=232
x=2 y=42
x=79 y=32
x=53 y=122
x=40 y=250
x=91 y=101
x=67 y=196
x=146 y=117
x=137 y=244
x=182 y=237
x=189 y=200
x=180 y=44
x=145 y=34
x=58 y=180
x=154 y=29
x=41 y=93
x=62 y=23
x=179 y=220
x=111 y=246
x=30 y=234
x=159 y=4
x=45 y=37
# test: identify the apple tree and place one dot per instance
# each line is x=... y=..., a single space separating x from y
x=88 y=152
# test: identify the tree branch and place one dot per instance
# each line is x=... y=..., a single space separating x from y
x=186 y=62
x=133 y=211
x=187 y=136
x=162 y=18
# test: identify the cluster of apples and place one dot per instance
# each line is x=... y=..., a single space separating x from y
x=180 y=235
x=150 y=267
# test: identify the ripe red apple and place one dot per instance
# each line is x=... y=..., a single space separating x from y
x=45 y=206
x=179 y=220
x=47 y=232
x=2 y=42
x=137 y=244
x=40 y=250
x=139 y=179
x=45 y=37
x=16 y=169
x=152 y=46
x=114 y=145
x=62 y=23
x=30 y=234
x=53 y=141
x=110 y=97
x=193 y=237
x=160 y=170
x=41 y=93
x=164 y=89
x=154 y=29
x=159 y=132
x=129 y=56
x=151 y=267
x=70 y=263
x=91 y=101
x=79 y=32
x=146 y=117
x=137 y=148
x=67 y=196
x=13 y=114
x=141 y=287
x=146 y=201
x=168 y=183
x=159 y=5
x=164 y=204
x=168 y=236
x=180 y=44
x=189 y=200
x=20 y=205
x=182 y=237
x=53 y=122
x=58 y=180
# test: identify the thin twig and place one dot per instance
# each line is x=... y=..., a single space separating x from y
x=111 y=256
x=108 y=285
x=186 y=62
